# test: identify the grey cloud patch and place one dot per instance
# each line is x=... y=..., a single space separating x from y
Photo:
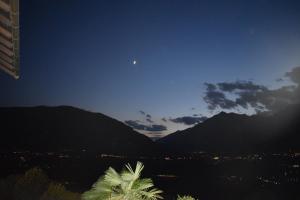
x=149 y=120
x=188 y=120
x=139 y=126
x=210 y=86
x=279 y=79
x=240 y=85
x=164 y=119
x=148 y=116
x=157 y=127
x=142 y=112
x=294 y=75
x=215 y=98
x=145 y=114
x=249 y=94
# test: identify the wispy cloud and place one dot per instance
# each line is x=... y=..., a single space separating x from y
x=142 y=112
x=248 y=94
x=188 y=120
x=164 y=119
x=148 y=116
x=136 y=124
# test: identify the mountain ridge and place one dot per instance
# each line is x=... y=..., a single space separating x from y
x=60 y=127
x=232 y=132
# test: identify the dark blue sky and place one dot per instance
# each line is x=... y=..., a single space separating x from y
x=81 y=52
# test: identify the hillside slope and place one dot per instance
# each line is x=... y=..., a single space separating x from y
x=64 y=127
x=230 y=132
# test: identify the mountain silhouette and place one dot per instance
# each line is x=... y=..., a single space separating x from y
x=239 y=133
x=45 y=128
x=57 y=128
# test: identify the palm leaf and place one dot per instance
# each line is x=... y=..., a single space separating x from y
x=124 y=186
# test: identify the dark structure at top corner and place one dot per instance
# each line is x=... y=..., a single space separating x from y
x=9 y=37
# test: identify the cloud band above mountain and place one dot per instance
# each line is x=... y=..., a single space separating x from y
x=188 y=120
x=139 y=126
x=245 y=94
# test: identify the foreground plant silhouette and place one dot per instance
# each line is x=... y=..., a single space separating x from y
x=124 y=186
x=34 y=184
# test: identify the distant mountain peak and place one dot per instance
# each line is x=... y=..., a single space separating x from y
x=233 y=132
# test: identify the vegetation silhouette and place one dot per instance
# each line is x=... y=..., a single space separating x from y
x=34 y=185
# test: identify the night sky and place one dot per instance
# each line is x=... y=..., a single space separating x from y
x=157 y=65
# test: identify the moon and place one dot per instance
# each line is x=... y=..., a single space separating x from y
x=134 y=62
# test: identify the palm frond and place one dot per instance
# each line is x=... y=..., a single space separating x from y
x=143 y=184
x=152 y=194
x=124 y=186
x=100 y=190
x=138 y=169
x=112 y=177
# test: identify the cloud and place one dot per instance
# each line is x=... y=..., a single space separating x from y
x=294 y=75
x=157 y=127
x=215 y=98
x=139 y=126
x=149 y=120
x=164 y=119
x=148 y=116
x=188 y=120
x=279 y=79
x=142 y=112
x=240 y=85
x=248 y=94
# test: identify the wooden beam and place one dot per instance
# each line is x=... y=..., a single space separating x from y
x=6 y=50
x=12 y=73
x=5 y=20
x=6 y=42
x=9 y=37
x=15 y=33
x=4 y=6
x=6 y=64
x=5 y=32
x=6 y=58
